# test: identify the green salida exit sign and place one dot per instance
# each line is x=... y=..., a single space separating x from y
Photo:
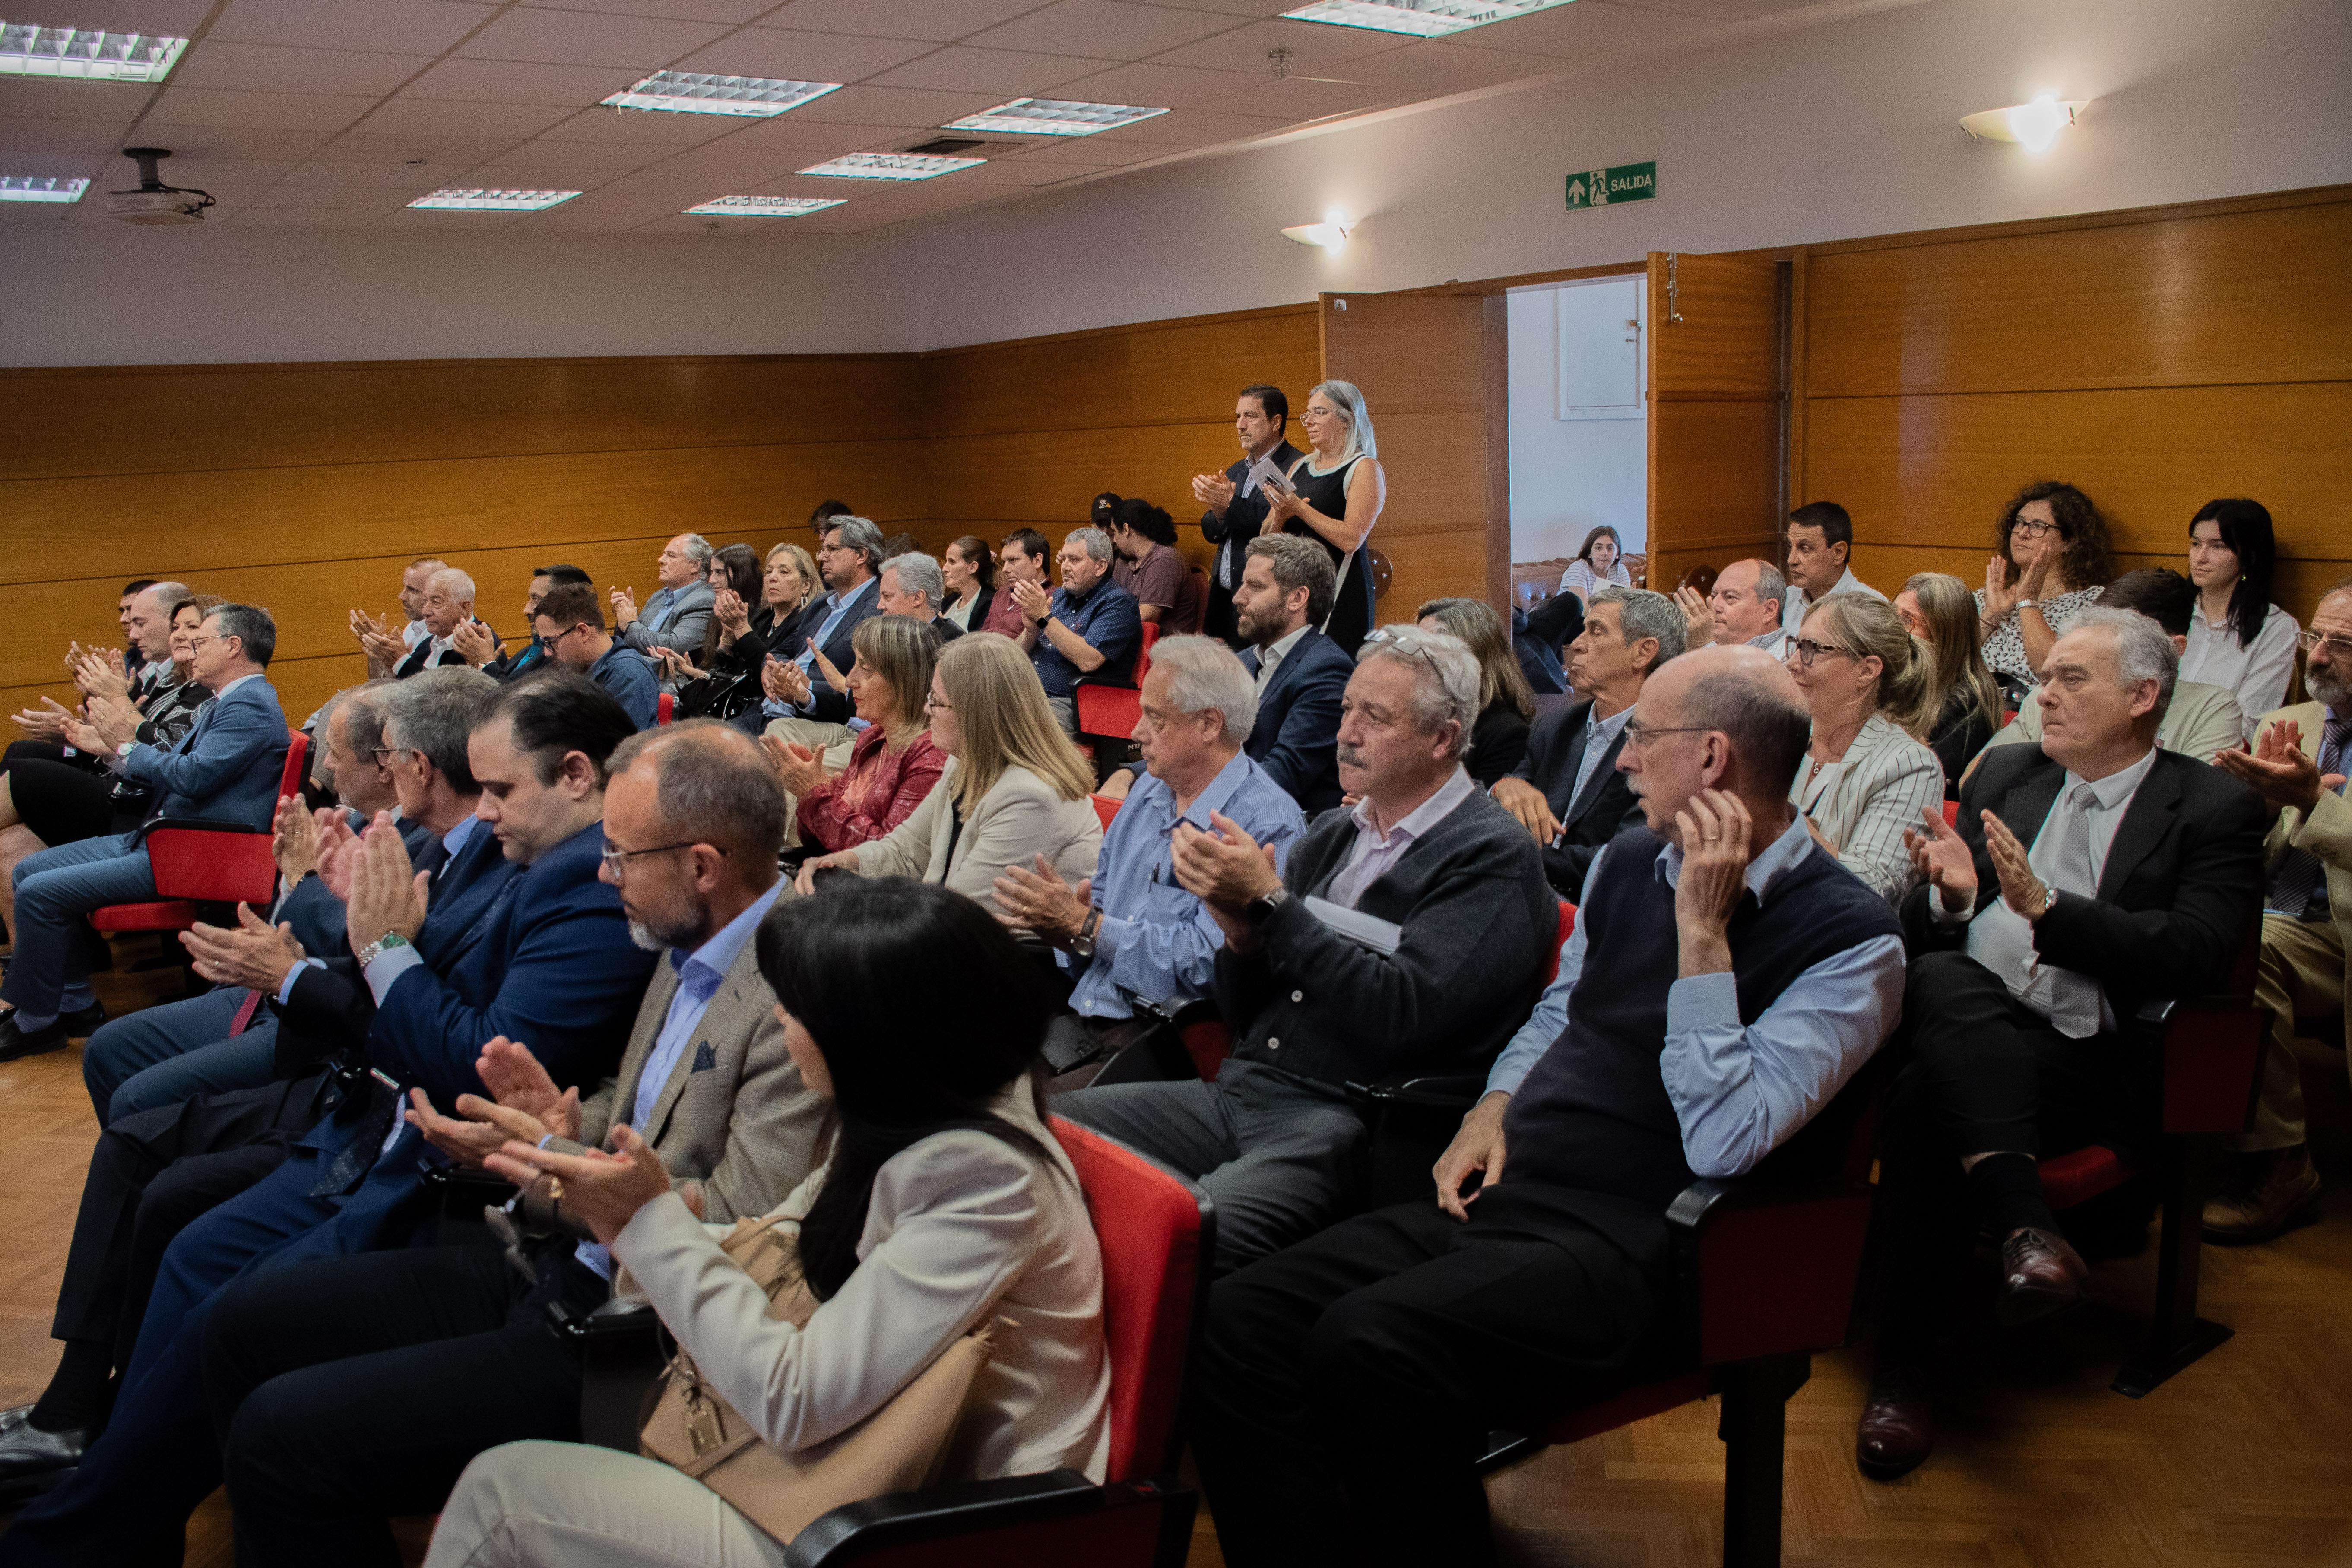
x=1606 y=187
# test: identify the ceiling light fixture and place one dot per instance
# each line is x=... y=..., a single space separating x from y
x=80 y=53
x=1331 y=234
x=763 y=207
x=1052 y=117
x=21 y=188
x=691 y=92
x=2035 y=126
x=492 y=201
x=889 y=166
x=1420 y=18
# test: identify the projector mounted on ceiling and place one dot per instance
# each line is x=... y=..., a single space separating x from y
x=154 y=200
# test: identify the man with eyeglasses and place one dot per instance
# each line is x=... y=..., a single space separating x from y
x=811 y=691
x=571 y=624
x=1821 y=551
x=2298 y=765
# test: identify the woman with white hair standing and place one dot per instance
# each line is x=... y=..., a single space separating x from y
x=1335 y=497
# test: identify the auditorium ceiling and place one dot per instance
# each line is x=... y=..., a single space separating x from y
x=340 y=113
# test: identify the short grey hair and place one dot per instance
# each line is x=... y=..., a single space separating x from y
x=363 y=715
x=1445 y=675
x=1647 y=615
x=432 y=711
x=699 y=550
x=1093 y=540
x=919 y=574
x=254 y=628
x=1767 y=723
x=2143 y=651
x=1209 y=675
x=713 y=785
x=1771 y=586
x=460 y=582
x=860 y=534
x=1298 y=564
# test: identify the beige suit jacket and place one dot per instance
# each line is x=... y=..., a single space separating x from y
x=1018 y=819
x=2326 y=833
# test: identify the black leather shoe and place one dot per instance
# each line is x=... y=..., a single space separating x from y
x=32 y=1460
x=81 y=1025
x=1897 y=1429
x=2040 y=1274
x=16 y=1042
x=13 y=1416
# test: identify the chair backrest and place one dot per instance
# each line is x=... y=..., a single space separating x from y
x=1952 y=815
x=1567 y=930
x=665 y=707
x=1143 y=654
x=1106 y=808
x=296 y=766
x=1156 y=1230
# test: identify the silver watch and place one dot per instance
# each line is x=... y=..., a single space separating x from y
x=380 y=946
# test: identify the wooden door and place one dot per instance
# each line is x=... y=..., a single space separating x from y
x=1718 y=406
x=1431 y=371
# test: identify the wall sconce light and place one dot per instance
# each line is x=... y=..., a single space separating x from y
x=2033 y=125
x=1331 y=234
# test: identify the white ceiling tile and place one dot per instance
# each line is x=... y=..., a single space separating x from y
x=35 y=99
x=361 y=147
x=26 y=166
x=1006 y=71
x=357 y=199
x=22 y=134
x=1160 y=87
x=613 y=157
x=791 y=132
x=1022 y=171
x=1244 y=8
x=173 y=19
x=732 y=11
x=260 y=110
x=1105 y=28
x=794 y=56
x=1718 y=10
x=570 y=218
x=724 y=164
x=1092 y=151
x=259 y=216
x=628 y=195
x=510 y=81
x=650 y=128
x=228 y=142
x=641 y=44
x=442 y=217
x=503 y=175
x=1587 y=28
x=411 y=26
x=707 y=227
x=1192 y=128
x=378 y=175
x=895 y=106
x=1299 y=98
x=214 y=174
x=900 y=19
x=448 y=117
x=267 y=68
x=1313 y=49
x=1428 y=69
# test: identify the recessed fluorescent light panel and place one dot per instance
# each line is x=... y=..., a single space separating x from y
x=1052 y=117
x=492 y=201
x=19 y=188
x=763 y=206
x=691 y=92
x=891 y=166
x=73 y=52
x=1418 y=18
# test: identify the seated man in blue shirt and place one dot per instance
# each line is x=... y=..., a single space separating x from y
x=1143 y=946
x=570 y=626
x=1345 y=1384
x=1088 y=632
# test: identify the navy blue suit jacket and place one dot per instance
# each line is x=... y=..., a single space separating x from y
x=1296 y=736
x=226 y=768
x=825 y=703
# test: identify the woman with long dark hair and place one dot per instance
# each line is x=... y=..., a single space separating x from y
x=944 y=1204
x=2238 y=641
x=1599 y=564
x=2053 y=560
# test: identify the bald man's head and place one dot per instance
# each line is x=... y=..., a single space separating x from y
x=1724 y=718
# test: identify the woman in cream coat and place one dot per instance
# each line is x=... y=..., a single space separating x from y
x=1015 y=788
x=1868 y=774
x=945 y=1204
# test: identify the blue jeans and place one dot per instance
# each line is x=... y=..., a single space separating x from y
x=55 y=950
x=162 y=1056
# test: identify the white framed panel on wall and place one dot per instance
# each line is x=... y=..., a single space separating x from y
x=1596 y=341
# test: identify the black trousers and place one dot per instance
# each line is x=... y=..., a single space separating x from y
x=1347 y=1385
x=150 y=1174
x=1984 y=1074
x=351 y=1390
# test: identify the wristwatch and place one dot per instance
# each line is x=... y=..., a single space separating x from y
x=1261 y=909
x=1083 y=944
x=380 y=946
x=1042 y=620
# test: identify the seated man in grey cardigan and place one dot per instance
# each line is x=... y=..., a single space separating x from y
x=1410 y=932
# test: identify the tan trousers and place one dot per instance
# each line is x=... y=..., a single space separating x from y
x=831 y=742
x=566 y=1505
x=2301 y=972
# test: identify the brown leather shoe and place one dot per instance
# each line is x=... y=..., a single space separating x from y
x=2271 y=1191
x=2040 y=1274
x=1897 y=1427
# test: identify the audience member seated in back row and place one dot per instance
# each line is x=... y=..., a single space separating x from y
x=808 y=689
x=1408 y=933
x=2237 y=639
x=1569 y=793
x=1744 y=606
x=771 y=624
x=553 y=966
x=945 y=1204
x=1869 y=776
x=678 y=613
x=912 y=586
x=448 y=608
x=2051 y=559
x=1147 y=563
x=1089 y=631
x=894 y=763
x=968 y=572
x=1599 y=563
x=1821 y=561
x=571 y=623
x=384 y=644
x=1538 y=634
x=1025 y=557
x=2089 y=875
x=225 y=768
x=2298 y=764
x=1346 y=1385
x=1498 y=740
x=1967 y=701
x=1014 y=788
x=479 y=648
x=692 y=820
x=1142 y=946
x=733 y=573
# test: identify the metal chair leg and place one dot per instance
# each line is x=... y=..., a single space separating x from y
x=2176 y=1335
x=1754 y=1427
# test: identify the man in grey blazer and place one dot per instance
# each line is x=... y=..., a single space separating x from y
x=678 y=616
x=357 y=1388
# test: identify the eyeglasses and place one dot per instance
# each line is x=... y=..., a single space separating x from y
x=933 y=705
x=2031 y=529
x=1804 y=650
x=2338 y=647
x=198 y=644
x=1406 y=642
x=1638 y=734
x=618 y=859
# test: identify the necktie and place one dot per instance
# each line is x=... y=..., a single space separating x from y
x=2299 y=886
x=354 y=1160
x=2066 y=867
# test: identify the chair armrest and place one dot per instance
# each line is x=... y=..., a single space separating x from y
x=1767 y=1270
x=1441 y=1091
x=463 y=1192
x=190 y=823
x=1059 y=1516
x=621 y=1361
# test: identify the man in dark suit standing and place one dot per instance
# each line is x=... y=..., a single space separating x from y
x=1237 y=507
x=1568 y=791
x=1284 y=592
x=2088 y=876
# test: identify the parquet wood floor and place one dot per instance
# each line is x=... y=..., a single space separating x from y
x=2243 y=1461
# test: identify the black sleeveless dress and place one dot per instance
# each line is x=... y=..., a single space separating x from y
x=1352 y=605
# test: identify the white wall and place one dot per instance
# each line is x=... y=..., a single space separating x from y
x=1570 y=476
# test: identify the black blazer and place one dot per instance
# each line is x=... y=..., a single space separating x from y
x=1605 y=809
x=1240 y=523
x=2182 y=884
x=826 y=704
x=981 y=604
x=1295 y=737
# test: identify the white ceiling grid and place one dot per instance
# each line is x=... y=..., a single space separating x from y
x=337 y=114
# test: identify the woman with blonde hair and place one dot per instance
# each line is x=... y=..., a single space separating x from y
x=894 y=764
x=1868 y=683
x=1334 y=495
x=1016 y=787
x=1942 y=614
x=1507 y=706
x=743 y=638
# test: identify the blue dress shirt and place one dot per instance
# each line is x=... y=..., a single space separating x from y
x=806 y=659
x=1107 y=618
x=1739 y=1089
x=629 y=675
x=1155 y=941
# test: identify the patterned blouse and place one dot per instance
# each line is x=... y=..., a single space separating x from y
x=2004 y=646
x=877 y=791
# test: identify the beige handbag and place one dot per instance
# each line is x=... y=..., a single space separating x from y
x=900 y=1448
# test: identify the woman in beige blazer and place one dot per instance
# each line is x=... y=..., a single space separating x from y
x=1014 y=788
x=1869 y=773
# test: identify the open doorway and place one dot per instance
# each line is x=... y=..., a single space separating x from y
x=1579 y=427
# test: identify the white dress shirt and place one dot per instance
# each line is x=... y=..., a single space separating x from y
x=1270 y=657
x=2256 y=674
x=1793 y=607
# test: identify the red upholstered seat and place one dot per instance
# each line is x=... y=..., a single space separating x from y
x=171 y=914
x=1567 y=930
x=1115 y=709
x=2083 y=1175
x=1208 y=1041
x=665 y=707
x=1952 y=813
x=206 y=862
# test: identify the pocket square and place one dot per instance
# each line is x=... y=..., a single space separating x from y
x=705 y=1059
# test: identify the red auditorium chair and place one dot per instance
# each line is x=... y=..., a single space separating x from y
x=1105 y=808
x=200 y=862
x=1111 y=711
x=665 y=707
x=1157 y=1232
